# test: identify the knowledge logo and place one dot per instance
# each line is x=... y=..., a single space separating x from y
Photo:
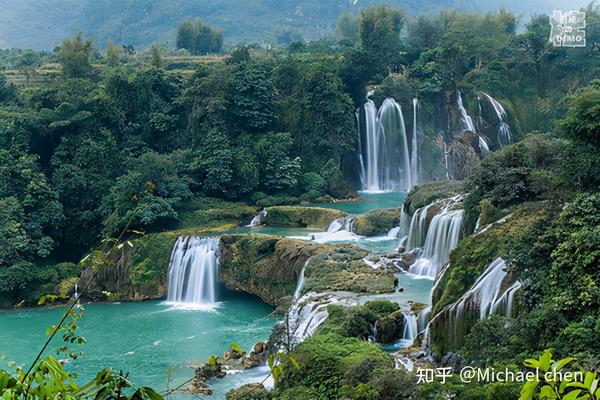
x=567 y=28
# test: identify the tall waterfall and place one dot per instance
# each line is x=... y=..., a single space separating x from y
x=466 y=121
x=193 y=271
x=504 y=134
x=468 y=125
x=384 y=153
x=414 y=157
x=442 y=237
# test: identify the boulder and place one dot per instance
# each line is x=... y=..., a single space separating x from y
x=377 y=222
x=299 y=216
x=390 y=327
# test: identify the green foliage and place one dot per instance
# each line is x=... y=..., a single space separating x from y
x=324 y=360
x=198 y=37
x=74 y=55
x=582 y=120
x=554 y=382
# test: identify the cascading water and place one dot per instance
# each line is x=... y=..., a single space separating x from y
x=414 y=157
x=423 y=319
x=300 y=283
x=505 y=303
x=341 y=224
x=417 y=230
x=384 y=153
x=467 y=123
x=504 y=134
x=257 y=220
x=443 y=235
x=410 y=328
x=482 y=295
x=193 y=271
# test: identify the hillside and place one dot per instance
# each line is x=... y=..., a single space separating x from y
x=41 y=25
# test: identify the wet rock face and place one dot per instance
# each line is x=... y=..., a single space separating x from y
x=390 y=328
x=452 y=360
x=257 y=356
x=464 y=154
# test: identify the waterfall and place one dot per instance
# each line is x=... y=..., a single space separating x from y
x=442 y=237
x=394 y=232
x=257 y=220
x=384 y=154
x=466 y=121
x=341 y=224
x=300 y=283
x=193 y=270
x=414 y=159
x=308 y=313
x=410 y=327
x=417 y=228
x=504 y=134
x=423 y=319
x=506 y=301
x=468 y=125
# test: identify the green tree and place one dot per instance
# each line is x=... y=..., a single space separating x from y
x=74 y=56
x=347 y=27
x=198 y=37
x=114 y=54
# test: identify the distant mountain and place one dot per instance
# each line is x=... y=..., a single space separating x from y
x=42 y=24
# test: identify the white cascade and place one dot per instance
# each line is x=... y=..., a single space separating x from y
x=258 y=218
x=505 y=303
x=308 y=313
x=504 y=134
x=300 y=283
x=341 y=224
x=410 y=328
x=468 y=125
x=417 y=229
x=423 y=319
x=484 y=291
x=394 y=232
x=443 y=235
x=384 y=153
x=465 y=119
x=414 y=158
x=193 y=271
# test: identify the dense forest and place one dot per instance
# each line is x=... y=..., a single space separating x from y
x=143 y=22
x=120 y=138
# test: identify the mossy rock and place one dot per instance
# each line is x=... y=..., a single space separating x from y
x=264 y=265
x=377 y=222
x=341 y=268
x=251 y=391
x=428 y=193
x=209 y=212
x=390 y=328
x=298 y=216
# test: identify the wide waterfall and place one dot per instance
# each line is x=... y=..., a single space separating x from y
x=385 y=160
x=442 y=237
x=193 y=271
x=504 y=134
